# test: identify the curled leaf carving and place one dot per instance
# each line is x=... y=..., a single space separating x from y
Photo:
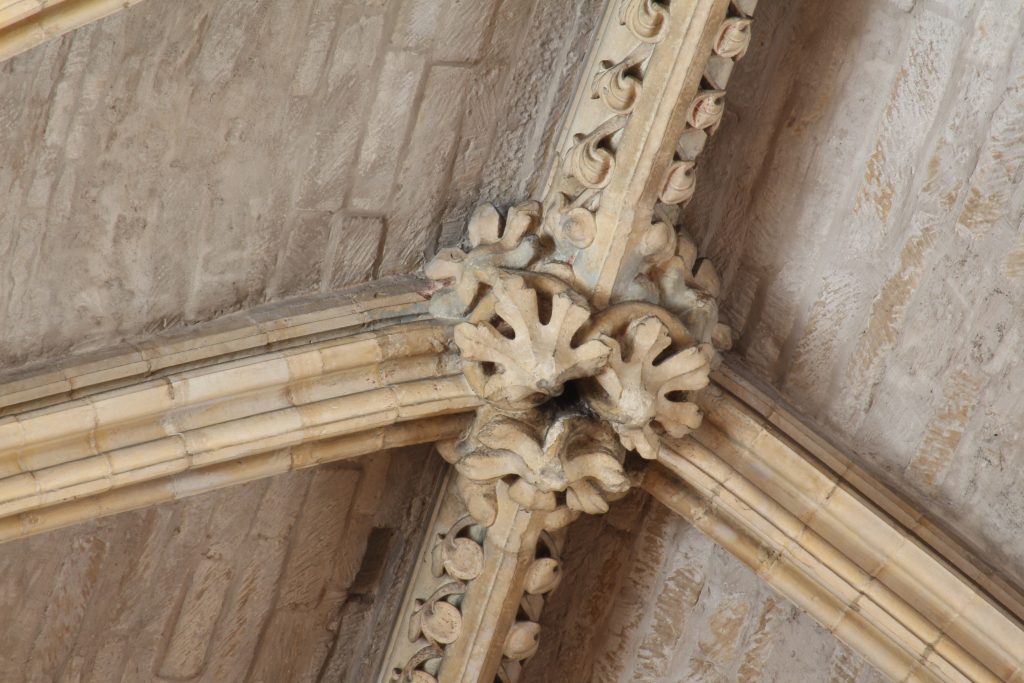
x=570 y=225
x=733 y=38
x=438 y=621
x=654 y=363
x=539 y=460
x=590 y=160
x=658 y=242
x=494 y=243
x=619 y=85
x=579 y=227
x=413 y=673
x=680 y=183
x=646 y=19
x=685 y=295
x=458 y=555
x=517 y=354
x=543 y=576
x=706 y=109
x=522 y=640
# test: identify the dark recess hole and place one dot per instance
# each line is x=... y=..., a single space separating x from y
x=375 y=559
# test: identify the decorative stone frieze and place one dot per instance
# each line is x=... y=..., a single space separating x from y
x=461 y=561
x=543 y=574
x=451 y=559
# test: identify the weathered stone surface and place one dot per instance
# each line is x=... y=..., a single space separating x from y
x=177 y=161
x=863 y=203
x=652 y=599
x=281 y=579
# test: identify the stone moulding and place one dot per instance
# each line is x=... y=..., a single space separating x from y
x=811 y=535
x=373 y=387
x=191 y=482
x=929 y=534
x=449 y=619
x=24 y=24
x=558 y=358
x=270 y=328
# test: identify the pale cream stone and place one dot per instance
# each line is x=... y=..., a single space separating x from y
x=592 y=240
x=18 y=487
x=125 y=405
x=908 y=602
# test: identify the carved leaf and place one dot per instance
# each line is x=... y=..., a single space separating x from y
x=543 y=576
x=706 y=109
x=574 y=454
x=599 y=479
x=619 y=85
x=494 y=244
x=570 y=226
x=644 y=18
x=412 y=673
x=733 y=38
x=534 y=358
x=680 y=183
x=591 y=160
x=522 y=641
x=688 y=287
x=644 y=394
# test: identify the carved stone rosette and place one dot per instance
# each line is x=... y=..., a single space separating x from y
x=585 y=322
x=569 y=391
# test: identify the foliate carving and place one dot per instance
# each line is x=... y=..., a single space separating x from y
x=561 y=465
x=591 y=161
x=569 y=391
x=494 y=243
x=733 y=38
x=619 y=84
x=646 y=19
x=542 y=576
x=553 y=372
x=435 y=621
x=458 y=554
x=670 y=273
x=439 y=609
x=680 y=183
x=520 y=355
x=529 y=336
x=588 y=162
x=673 y=276
x=654 y=364
x=706 y=109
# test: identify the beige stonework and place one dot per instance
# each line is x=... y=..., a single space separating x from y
x=569 y=349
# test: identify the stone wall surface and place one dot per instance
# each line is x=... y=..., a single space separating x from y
x=652 y=599
x=179 y=160
x=294 y=578
x=863 y=202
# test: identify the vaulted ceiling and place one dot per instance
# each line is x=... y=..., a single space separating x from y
x=180 y=160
